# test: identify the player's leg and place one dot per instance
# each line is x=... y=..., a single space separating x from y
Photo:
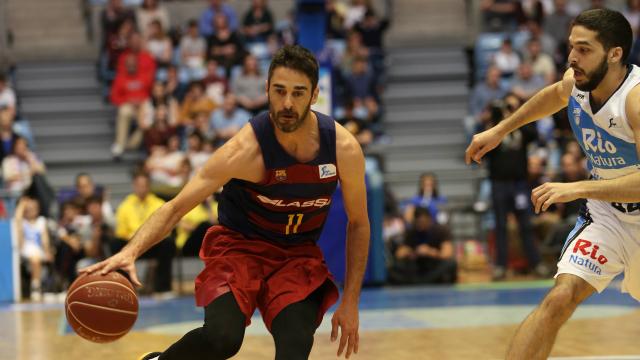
x=219 y=338
x=591 y=258
x=536 y=335
x=293 y=328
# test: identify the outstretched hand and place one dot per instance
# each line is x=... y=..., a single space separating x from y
x=122 y=260
x=481 y=144
x=346 y=318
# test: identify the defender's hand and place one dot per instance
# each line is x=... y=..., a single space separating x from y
x=481 y=144
x=550 y=193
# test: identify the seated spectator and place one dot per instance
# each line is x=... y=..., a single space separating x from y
x=168 y=168
x=201 y=125
x=74 y=233
x=361 y=87
x=159 y=131
x=287 y=29
x=541 y=63
x=159 y=97
x=558 y=23
x=548 y=43
x=195 y=101
x=216 y=7
x=485 y=92
x=355 y=12
x=130 y=90
x=193 y=50
x=116 y=44
x=192 y=228
x=19 y=168
x=226 y=122
x=506 y=59
x=372 y=30
x=258 y=22
x=112 y=17
x=102 y=230
x=33 y=241
x=215 y=85
x=427 y=253
x=526 y=83
x=173 y=86
x=335 y=11
x=150 y=11
x=355 y=49
x=501 y=15
x=358 y=127
x=87 y=190
x=134 y=210
x=7 y=97
x=195 y=151
x=159 y=45
x=225 y=46
x=7 y=135
x=428 y=197
x=249 y=87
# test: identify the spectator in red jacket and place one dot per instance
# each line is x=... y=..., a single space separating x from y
x=145 y=61
x=130 y=90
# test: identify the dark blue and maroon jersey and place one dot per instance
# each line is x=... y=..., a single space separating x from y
x=291 y=204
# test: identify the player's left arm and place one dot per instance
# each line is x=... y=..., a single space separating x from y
x=625 y=189
x=351 y=174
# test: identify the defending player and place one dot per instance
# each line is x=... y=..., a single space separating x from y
x=603 y=99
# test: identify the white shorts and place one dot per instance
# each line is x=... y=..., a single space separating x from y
x=31 y=250
x=600 y=247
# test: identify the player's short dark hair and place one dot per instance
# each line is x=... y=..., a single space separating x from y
x=297 y=58
x=612 y=28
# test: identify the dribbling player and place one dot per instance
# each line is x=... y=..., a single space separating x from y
x=279 y=173
x=602 y=96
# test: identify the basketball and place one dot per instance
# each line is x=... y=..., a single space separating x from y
x=101 y=308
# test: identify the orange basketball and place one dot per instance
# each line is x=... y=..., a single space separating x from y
x=101 y=308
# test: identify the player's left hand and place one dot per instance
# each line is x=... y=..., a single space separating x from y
x=550 y=193
x=346 y=318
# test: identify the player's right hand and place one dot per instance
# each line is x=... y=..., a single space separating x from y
x=122 y=260
x=481 y=144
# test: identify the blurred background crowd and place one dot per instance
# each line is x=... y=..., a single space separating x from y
x=178 y=92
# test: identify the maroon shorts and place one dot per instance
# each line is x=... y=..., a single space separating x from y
x=261 y=274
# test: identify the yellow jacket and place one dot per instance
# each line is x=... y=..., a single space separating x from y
x=133 y=212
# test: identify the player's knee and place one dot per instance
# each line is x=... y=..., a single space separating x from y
x=225 y=341
x=560 y=302
x=293 y=338
x=293 y=343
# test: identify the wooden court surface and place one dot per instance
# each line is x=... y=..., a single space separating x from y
x=37 y=337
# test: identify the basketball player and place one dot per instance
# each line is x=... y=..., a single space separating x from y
x=603 y=99
x=279 y=173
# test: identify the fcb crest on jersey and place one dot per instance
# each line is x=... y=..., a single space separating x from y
x=281 y=175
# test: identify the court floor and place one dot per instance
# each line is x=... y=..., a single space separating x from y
x=473 y=321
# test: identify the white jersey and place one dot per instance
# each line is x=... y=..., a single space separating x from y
x=607 y=138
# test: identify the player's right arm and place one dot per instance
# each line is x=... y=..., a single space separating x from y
x=239 y=158
x=546 y=102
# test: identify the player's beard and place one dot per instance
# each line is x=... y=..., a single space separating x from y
x=594 y=78
x=285 y=124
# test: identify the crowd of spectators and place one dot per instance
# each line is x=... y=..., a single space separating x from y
x=180 y=91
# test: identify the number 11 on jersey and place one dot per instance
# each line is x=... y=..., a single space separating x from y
x=298 y=220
